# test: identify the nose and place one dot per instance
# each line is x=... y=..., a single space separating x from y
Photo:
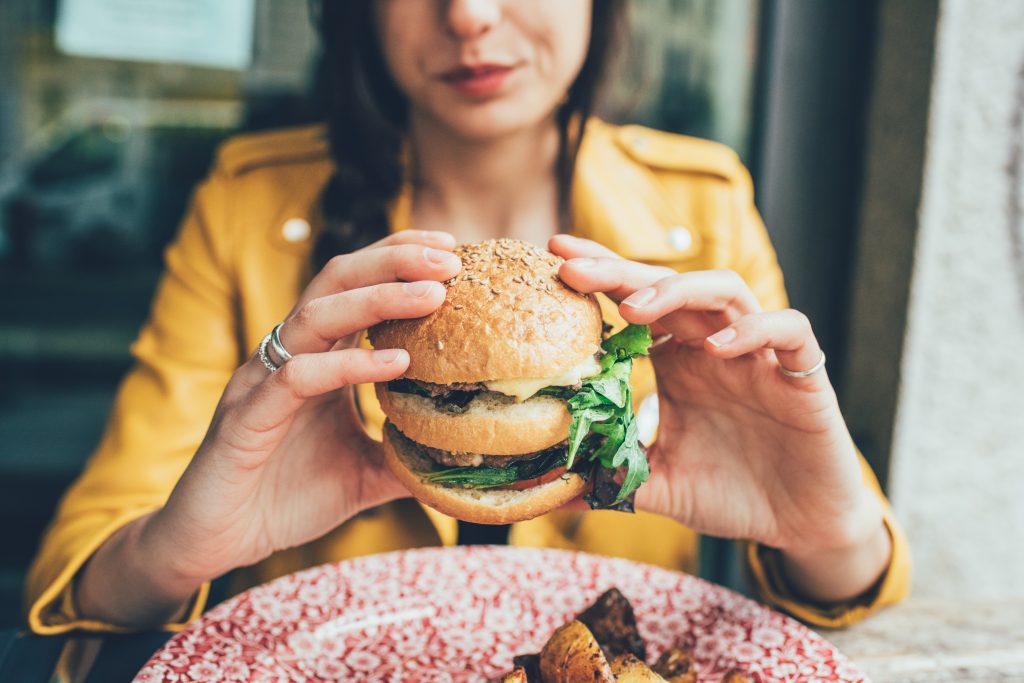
x=468 y=19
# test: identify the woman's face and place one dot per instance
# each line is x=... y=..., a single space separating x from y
x=484 y=68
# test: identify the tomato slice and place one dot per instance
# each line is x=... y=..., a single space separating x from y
x=550 y=475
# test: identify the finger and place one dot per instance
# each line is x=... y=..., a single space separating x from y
x=614 y=276
x=405 y=262
x=319 y=323
x=787 y=332
x=693 y=305
x=570 y=247
x=428 y=238
x=275 y=401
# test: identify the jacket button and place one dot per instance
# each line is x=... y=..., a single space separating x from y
x=296 y=230
x=680 y=238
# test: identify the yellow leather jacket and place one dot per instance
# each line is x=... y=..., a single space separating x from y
x=235 y=270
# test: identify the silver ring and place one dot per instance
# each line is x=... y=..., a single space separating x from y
x=799 y=374
x=265 y=357
x=275 y=343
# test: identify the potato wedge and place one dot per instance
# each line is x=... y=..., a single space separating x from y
x=628 y=669
x=571 y=655
x=675 y=666
x=736 y=676
x=516 y=675
x=613 y=624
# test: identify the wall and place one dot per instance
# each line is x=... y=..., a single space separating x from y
x=958 y=452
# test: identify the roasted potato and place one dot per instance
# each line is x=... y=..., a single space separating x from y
x=530 y=664
x=628 y=669
x=674 y=665
x=613 y=624
x=516 y=675
x=603 y=645
x=571 y=655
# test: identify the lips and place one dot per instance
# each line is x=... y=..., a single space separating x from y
x=478 y=80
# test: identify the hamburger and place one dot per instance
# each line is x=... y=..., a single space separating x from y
x=514 y=403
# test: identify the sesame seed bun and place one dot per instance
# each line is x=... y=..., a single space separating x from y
x=506 y=315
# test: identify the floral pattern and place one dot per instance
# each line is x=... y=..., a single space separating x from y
x=461 y=614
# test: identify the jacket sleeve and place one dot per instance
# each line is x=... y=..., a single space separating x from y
x=755 y=261
x=184 y=356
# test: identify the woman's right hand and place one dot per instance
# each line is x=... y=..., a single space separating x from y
x=286 y=458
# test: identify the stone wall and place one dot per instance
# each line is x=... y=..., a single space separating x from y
x=958 y=451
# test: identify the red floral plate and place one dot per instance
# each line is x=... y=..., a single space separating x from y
x=460 y=614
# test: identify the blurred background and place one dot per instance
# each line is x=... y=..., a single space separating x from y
x=884 y=136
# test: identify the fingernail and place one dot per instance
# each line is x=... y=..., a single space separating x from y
x=420 y=289
x=438 y=256
x=722 y=337
x=640 y=298
x=583 y=262
x=388 y=356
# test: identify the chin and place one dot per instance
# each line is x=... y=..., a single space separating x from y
x=494 y=119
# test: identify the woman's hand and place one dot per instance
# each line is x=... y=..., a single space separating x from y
x=743 y=451
x=286 y=458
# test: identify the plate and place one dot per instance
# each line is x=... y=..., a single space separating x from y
x=461 y=614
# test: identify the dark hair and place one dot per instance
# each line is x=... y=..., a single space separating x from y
x=367 y=118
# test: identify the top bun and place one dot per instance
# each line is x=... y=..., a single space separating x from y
x=506 y=315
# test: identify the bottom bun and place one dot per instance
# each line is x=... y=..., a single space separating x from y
x=482 y=506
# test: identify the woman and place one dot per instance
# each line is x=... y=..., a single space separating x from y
x=463 y=119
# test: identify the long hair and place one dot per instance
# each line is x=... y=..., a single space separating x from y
x=367 y=120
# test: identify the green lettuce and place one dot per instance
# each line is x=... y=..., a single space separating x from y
x=604 y=405
x=490 y=477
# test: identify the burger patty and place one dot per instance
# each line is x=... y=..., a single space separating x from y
x=450 y=398
x=458 y=459
x=442 y=389
x=439 y=390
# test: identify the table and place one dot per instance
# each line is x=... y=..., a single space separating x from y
x=919 y=641
x=936 y=641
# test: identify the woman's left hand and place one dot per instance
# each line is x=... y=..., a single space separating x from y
x=743 y=451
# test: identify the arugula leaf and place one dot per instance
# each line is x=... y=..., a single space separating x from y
x=631 y=341
x=614 y=433
x=613 y=383
x=474 y=477
x=631 y=453
x=580 y=426
x=489 y=477
x=603 y=405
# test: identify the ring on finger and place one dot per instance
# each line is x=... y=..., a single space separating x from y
x=273 y=342
x=800 y=374
x=277 y=346
x=265 y=357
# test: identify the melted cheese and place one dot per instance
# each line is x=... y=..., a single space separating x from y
x=526 y=387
